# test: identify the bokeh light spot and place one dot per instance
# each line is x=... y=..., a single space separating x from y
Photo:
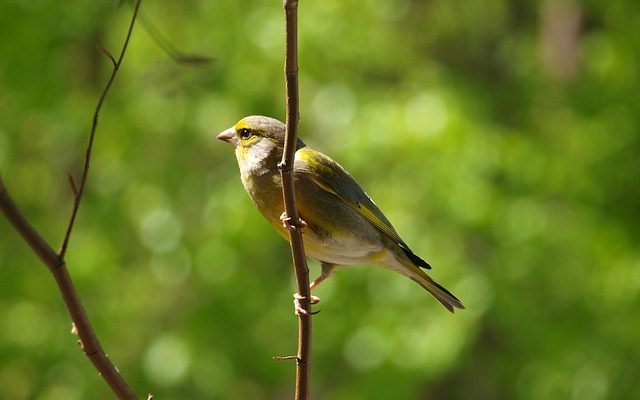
x=216 y=261
x=26 y=324
x=167 y=360
x=426 y=114
x=172 y=268
x=590 y=383
x=365 y=349
x=334 y=106
x=160 y=230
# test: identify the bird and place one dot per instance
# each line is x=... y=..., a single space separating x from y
x=342 y=226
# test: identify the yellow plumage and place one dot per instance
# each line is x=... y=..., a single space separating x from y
x=344 y=226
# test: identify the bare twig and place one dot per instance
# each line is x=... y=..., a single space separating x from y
x=303 y=357
x=284 y=358
x=94 y=125
x=107 y=54
x=177 y=55
x=55 y=261
x=90 y=344
x=72 y=183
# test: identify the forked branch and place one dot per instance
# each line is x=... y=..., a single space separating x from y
x=55 y=261
x=78 y=190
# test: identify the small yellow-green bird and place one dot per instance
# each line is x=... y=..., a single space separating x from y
x=343 y=225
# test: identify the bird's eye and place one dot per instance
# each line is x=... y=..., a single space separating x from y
x=245 y=133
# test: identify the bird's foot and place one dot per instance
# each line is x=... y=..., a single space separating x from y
x=289 y=223
x=299 y=310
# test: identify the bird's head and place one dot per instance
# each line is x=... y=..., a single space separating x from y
x=257 y=139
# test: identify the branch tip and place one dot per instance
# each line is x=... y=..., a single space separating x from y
x=106 y=53
x=285 y=358
x=74 y=187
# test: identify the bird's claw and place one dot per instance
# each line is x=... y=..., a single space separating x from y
x=299 y=310
x=288 y=222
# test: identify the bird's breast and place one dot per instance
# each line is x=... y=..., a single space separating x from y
x=335 y=233
x=265 y=190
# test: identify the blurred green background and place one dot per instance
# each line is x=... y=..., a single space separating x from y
x=500 y=137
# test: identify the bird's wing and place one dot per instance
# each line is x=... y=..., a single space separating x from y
x=332 y=178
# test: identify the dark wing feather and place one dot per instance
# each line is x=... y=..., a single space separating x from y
x=332 y=178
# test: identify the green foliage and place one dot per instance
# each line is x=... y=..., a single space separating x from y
x=506 y=160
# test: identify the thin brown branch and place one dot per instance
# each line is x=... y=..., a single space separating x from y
x=107 y=54
x=55 y=261
x=94 y=126
x=73 y=185
x=165 y=44
x=285 y=358
x=303 y=357
x=37 y=243
x=56 y=265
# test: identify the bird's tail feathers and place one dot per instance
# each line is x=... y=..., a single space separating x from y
x=445 y=297
x=415 y=259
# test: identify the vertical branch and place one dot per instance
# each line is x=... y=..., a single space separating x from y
x=303 y=358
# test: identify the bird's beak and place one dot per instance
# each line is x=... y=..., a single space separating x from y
x=228 y=136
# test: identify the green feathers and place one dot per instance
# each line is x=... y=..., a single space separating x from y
x=343 y=225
